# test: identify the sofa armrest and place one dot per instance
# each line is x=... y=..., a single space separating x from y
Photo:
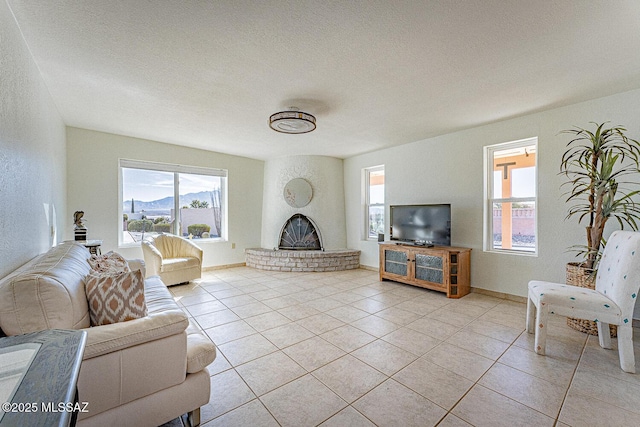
x=109 y=338
x=152 y=258
x=165 y=319
x=200 y=350
x=137 y=264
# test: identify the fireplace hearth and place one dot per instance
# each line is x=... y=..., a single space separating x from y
x=288 y=260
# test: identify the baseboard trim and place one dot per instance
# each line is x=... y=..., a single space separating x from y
x=224 y=266
x=369 y=268
x=501 y=295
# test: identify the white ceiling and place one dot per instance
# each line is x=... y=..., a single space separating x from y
x=208 y=74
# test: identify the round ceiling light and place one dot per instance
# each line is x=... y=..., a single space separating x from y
x=292 y=121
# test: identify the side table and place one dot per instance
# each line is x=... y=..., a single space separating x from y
x=38 y=378
x=92 y=245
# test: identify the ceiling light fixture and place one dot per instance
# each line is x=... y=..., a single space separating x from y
x=292 y=121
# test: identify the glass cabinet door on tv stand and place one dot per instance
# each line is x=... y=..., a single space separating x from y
x=397 y=262
x=440 y=268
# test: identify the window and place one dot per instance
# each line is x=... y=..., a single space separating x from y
x=374 y=201
x=163 y=198
x=511 y=197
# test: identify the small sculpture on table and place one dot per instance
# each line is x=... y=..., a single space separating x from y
x=79 y=228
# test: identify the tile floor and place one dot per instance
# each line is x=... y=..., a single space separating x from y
x=344 y=349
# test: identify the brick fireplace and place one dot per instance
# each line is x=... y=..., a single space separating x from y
x=301 y=250
x=313 y=234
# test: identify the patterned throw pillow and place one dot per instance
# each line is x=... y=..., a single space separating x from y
x=115 y=298
x=111 y=263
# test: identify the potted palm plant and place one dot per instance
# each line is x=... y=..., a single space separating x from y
x=602 y=171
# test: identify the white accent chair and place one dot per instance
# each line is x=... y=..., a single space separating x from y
x=612 y=301
x=174 y=259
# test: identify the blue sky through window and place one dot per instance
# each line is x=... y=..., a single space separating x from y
x=149 y=185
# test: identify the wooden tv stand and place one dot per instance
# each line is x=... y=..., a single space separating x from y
x=440 y=268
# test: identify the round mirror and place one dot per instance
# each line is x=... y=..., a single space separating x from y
x=297 y=193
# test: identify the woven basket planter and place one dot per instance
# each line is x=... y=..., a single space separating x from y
x=584 y=278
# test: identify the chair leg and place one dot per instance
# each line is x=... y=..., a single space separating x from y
x=604 y=335
x=531 y=315
x=541 y=329
x=625 y=348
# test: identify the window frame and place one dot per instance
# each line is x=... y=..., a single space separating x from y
x=176 y=169
x=367 y=205
x=489 y=199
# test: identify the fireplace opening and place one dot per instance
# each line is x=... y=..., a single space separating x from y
x=300 y=233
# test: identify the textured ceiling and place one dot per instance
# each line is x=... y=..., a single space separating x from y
x=208 y=74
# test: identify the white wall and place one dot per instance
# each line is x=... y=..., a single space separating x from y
x=326 y=208
x=32 y=155
x=449 y=169
x=92 y=159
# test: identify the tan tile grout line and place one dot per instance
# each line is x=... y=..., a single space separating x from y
x=573 y=374
x=605 y=374
x=294 y=379
x=476 y=383
x=376 y=338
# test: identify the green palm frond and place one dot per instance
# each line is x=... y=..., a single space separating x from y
x=598 y=165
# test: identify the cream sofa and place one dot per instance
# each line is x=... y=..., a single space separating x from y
x=174 y=259
x=142 y=372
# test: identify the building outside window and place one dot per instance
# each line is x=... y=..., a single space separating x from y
x=159 y=198
x=511 y=197
x=374 y=201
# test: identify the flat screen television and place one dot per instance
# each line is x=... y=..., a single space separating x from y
x=421 y=224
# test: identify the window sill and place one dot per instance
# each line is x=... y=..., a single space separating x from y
x=209 y=240
x=533 y=254
x=196 y=241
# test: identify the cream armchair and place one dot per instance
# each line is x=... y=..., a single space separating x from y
x=174 y=259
